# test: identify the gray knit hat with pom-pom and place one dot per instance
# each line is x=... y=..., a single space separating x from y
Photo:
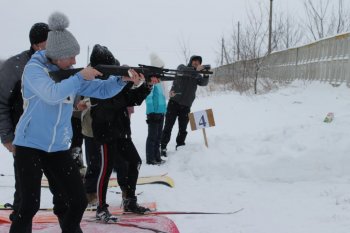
x=60 y=42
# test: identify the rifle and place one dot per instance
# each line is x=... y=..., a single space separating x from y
x=148 y=71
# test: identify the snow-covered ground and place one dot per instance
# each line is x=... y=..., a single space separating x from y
x=270 y=154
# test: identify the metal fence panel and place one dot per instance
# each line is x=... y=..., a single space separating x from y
x=326 y=60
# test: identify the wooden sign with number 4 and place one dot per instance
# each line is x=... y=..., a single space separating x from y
x=201 y=120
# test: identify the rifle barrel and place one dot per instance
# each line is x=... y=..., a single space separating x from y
x=148 y=71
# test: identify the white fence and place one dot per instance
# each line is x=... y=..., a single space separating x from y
x=325 y=60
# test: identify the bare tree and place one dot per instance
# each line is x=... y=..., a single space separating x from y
x=340 y=20
x=326 y=18
x=185 y=49
x=224 y=54
x=252 y=41
x=228 y=49
x=287 y=32
x=254 y=45
x=255 y=35
x=292 y=33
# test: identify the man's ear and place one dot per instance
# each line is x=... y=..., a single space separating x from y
x=36 y=47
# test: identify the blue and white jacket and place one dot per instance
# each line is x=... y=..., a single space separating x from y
x=48 y=106
x=155 y=101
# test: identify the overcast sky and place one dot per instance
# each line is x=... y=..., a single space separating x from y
x=133 y=29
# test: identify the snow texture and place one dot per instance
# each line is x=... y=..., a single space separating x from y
x=270 y=154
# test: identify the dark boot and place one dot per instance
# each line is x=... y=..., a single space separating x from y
x=130 y=205
x=103 y=214
x=178 y=145
x=163 y=152
x=60 y=221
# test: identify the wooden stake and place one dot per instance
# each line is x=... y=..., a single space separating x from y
x=205 y=137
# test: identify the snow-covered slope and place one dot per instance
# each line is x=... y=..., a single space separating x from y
x=270 y=154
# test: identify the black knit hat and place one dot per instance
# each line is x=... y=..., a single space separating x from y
x=100 y=55
x=196 y=57
x=38 y=33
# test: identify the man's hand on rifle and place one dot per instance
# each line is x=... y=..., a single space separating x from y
x=173 y=93
x=199 y=68
x=90 y=73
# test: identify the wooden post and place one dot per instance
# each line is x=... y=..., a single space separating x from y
x=205 y=137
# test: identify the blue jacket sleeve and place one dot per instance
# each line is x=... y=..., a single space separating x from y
x=38 y=81
x=102 y=89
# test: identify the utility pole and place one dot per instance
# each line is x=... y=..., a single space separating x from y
x=270 y=27
x=222 y=51
x=238 y=42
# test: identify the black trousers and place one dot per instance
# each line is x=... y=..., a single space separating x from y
x=60 y=200
x=17 y=199
x=123 y=156
x=175 y=110
x=93 y=161
x=64 y=178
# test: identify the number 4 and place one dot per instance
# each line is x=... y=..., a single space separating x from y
x=202 y=121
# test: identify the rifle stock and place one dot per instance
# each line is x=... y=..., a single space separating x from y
x=149 y=71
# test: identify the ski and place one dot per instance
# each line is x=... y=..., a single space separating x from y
x=150 y=205
x=8 y=206
x=178 y=212
x=162 y=179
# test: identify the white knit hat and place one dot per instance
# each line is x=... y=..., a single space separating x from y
x=60 y=42
x=156 y=61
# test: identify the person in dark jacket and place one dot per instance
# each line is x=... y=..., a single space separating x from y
x=182 y=95
x=11 y=103
x=111 y=128
x=11 y=107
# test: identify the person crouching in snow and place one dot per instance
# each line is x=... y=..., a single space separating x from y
x=111 y=128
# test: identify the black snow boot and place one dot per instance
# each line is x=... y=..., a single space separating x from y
x=130 y=205
x=60 y=221
x=104 y=215
x=163 y=152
